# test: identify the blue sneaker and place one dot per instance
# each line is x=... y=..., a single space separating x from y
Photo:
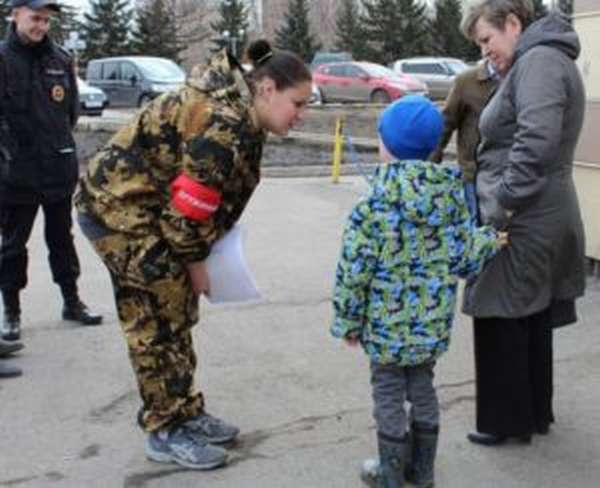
x=182 y=447
x=212 y=429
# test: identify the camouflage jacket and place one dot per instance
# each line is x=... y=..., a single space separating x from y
x=205 y=130
x=404 y=246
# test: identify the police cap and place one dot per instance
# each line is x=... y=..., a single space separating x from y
x=36 y=4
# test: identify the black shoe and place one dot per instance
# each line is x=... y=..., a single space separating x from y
x=77 y=311
x=543 y=429
x=486 y=439
x=8 y=371
x=11 y=328
x=495 y=440
x=7 y=348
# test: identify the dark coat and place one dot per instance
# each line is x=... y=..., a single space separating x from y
x=469 y=94
x=38 y=108
x=529 y=131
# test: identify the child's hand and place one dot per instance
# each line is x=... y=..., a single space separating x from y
x=502 y=238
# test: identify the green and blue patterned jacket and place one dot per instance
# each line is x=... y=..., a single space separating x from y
x=404 y=247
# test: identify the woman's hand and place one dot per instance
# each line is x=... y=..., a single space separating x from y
x=199 y=278
x=502 y=238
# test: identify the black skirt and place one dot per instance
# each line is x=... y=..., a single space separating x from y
x=514 y=374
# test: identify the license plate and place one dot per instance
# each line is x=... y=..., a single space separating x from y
x=93 y=104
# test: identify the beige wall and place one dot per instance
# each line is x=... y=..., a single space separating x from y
x=588 y=28
x=587 y=166
x=587 y=181
x=584 y=6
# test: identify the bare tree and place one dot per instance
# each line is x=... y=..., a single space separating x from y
x=323 y=15
x=193 y=18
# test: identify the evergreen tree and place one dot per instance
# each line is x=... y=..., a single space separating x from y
x=232 y=27
x=539 y=9
x=348 y=29
x=446 y=36
x=106 y=29
x=294 y=35
x=64 y=23
x=155 y=33
x=396 y=29
x=4 y=13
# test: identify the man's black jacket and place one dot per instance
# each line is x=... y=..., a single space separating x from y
x=38 y=109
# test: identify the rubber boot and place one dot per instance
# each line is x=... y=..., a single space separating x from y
x=392 y=459
x=11 y=327
x=423 y=449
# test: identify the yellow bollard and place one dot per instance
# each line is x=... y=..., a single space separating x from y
x=337 y=150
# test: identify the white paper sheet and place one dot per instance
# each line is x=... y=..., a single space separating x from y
x=229 y=276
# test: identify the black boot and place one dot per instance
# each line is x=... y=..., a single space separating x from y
x=77 y=311
x=11 y=327
x=423 y=450
x=392 y=460
x=8 y=371
x=74 y=309
x=7 y=348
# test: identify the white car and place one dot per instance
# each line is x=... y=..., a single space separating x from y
x=92 y=100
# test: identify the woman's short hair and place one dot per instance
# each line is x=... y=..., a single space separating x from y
x=285 y=68
x=495 y=12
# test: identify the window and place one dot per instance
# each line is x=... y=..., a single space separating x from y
x=422 y=68
x=111 y=70
x=355 y=72
x=93 y=71
x=410 y=68
x=128 y=71
x=337 y=70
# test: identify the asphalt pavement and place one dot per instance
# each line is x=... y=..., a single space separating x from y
x=301 y=398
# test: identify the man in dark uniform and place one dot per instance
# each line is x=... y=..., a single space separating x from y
x=38 y=165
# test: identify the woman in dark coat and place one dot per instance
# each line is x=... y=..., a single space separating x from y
x=529 y=130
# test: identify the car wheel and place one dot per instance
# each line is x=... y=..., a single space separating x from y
x=144 y=99
x=380 y=96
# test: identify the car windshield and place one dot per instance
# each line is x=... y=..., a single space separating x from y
x=456 y=67
x=161 y=70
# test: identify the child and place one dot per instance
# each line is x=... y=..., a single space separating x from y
x=404 y=246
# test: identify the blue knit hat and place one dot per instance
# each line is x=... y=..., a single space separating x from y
x=410 y=128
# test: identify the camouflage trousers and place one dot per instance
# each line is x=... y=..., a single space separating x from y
x=157 y=309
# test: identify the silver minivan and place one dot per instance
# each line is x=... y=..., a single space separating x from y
x=438 y=73
x=131 y=81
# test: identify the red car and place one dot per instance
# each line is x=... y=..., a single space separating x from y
x=364 y=82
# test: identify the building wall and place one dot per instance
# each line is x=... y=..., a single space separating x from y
x=586 y=21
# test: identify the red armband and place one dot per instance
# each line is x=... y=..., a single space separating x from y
x=193 y=199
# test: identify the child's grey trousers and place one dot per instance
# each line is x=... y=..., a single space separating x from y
x=392 y=385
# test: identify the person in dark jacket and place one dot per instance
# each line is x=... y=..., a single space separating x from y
x=469 y=93
x=529 y=130
x=38 y=162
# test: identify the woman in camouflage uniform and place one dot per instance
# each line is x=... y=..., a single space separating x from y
x=153 y=202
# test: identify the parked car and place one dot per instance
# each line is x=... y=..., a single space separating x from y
x=364 y=82
x=438 y=73
x=323 y=57
x=134 y=80
x=92 y=100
